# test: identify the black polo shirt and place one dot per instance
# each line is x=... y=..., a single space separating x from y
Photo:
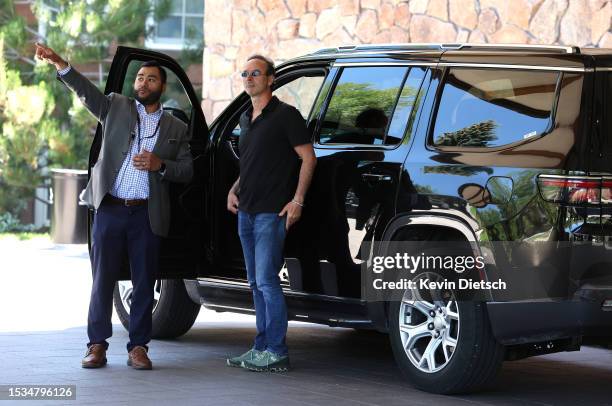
x=269 y=166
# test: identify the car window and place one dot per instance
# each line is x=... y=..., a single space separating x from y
x=409 y=97
x=174 y=99
x=362 y=104
x=490 y=108
x=301 y=92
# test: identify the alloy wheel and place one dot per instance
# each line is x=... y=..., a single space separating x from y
x=429 y=328
x=126 y=289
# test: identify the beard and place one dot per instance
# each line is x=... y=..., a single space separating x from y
x=151 y=98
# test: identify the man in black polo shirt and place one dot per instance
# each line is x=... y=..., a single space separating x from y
x=271 y=186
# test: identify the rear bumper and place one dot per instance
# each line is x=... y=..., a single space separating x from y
x=527 y=322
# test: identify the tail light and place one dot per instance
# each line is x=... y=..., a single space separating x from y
x=576 y=190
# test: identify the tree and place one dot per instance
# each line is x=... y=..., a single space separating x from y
x=458 y=170
x=475 y=135
x=40 y=122
x=22 y=108
x=350 y=99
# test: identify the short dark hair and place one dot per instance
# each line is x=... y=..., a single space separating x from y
x=269 y=64
x=162 y=72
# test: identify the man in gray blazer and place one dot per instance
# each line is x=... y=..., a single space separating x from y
x=143 y=149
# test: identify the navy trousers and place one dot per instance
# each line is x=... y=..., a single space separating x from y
x=118 y=230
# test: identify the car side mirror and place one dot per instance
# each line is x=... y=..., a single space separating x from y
x=500 y=189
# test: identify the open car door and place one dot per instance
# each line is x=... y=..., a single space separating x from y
x=183 y=252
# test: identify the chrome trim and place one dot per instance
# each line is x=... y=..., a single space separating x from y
x=603 y=69
x=464 y=65
x=320 y=296
x=305 y=318
x=451 y=214
x=356 y=147
x=511 y=66
x=569 y=177
x=350 y=321
x=356 y=54
x=360 y=48
x=535 y=47
x=223 y=282
x=231 y=147
x=389 y=63
x=227 y=308
x=436 y=221
x=429 y=46
x=213 y=282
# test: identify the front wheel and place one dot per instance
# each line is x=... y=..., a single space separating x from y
x=173 y=311
x=443 y=345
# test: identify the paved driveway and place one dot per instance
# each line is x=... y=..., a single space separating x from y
x=43 y=301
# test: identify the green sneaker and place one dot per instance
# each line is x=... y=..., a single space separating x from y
x=267 y=361
x=237 y=361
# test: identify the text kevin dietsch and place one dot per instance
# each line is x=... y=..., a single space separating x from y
x=413 y=263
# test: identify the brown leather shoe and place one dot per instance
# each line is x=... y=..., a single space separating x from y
x=95 y=357
x=138 y=358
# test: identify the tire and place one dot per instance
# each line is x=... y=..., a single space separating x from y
x=468 y=367
x=173 y=311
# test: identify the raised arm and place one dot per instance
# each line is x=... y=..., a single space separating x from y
x=95 y=101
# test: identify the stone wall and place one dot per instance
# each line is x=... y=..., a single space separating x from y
x=282 y=29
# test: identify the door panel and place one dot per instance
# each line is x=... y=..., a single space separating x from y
x=362 y=140
x=183 y=251
x=490 y=135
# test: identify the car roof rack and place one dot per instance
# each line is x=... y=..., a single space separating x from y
x=564 y=49
x=348 y=49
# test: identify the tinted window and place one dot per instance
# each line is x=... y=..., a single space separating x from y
x=301 y=92
x=361 y=105
x=489 y=108
x=403 y=116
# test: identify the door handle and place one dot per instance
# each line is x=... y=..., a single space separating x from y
x=232 y=142
x=375 y=177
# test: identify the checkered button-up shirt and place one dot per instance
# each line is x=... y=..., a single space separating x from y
x=132 y=183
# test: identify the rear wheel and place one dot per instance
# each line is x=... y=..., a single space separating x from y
x=173 y=311
x=443 y=345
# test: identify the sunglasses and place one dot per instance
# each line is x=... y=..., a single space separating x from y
x=255 y=73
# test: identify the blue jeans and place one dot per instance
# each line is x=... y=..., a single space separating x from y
x=262 y=236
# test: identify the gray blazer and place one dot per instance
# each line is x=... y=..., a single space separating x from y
x=117 y=114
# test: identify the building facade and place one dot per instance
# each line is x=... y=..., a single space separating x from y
x=282 y=29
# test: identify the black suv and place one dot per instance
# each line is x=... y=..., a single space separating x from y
x=495 y=147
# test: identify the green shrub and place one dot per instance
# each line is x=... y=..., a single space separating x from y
x=11 y=224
